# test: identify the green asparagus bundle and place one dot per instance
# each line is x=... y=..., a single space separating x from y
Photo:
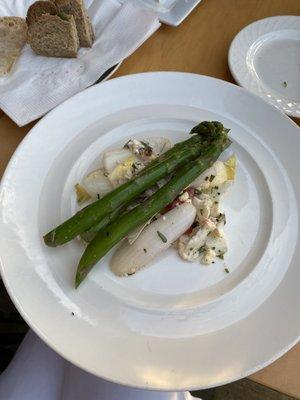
x=203 y=135
x=117 y=230
x=90 y=233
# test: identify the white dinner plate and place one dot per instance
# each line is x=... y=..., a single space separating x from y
x=265 y=58
x=175 y=325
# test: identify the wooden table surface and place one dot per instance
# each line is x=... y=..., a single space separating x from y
x=200 y=45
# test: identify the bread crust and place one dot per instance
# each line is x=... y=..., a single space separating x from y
x=39 y=8
x=13 y=34
x=83 y=24
x=52 y=36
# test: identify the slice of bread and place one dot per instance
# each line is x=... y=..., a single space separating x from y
x=13 y=33
x=54 y=36
x=83 y=24
x=39 y=8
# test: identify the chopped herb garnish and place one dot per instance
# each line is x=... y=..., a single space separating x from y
x=162 y=236
x=216 y=202
x=148 y=148
x=221 y=256
x=284 y=83
x=206 y=178
x=211 y=178
x=98 y=196
x=201 y=211
x=145 y=250
x=226 y=270
x=202 y=249
x=213 y=248
x=105 y=174
x=126 y=145
x=216 y=187
x=147 y=145
x=198 y=192
x=222 y=217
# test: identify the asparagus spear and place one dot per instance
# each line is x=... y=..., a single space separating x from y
x=90 y=233
x=203 y=128
x=181 y=153
x=118 y=229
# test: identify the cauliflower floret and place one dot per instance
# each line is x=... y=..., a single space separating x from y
x=216 y=241
x=190 y=248
x=184 y=197
x=215 y=209
x=208 y=240
x=203 y=204
x=182 y=248
x=208 y=256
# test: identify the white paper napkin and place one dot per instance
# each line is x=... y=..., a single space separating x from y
x=38 y=84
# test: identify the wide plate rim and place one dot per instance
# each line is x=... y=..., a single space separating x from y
x=238 y=67
x=25 y=314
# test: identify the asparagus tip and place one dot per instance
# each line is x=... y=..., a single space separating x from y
x=82 y=271
x=49 y=239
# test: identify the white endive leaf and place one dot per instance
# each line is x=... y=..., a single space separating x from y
x=159 y=144
x=96 y=183
x=114 y=157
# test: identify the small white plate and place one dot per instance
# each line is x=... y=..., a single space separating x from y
x=179 y=12
x=265 y=59
x=175 y=325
